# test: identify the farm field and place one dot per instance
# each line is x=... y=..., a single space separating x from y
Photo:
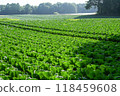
x=57 y=47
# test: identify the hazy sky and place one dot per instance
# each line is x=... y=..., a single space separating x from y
x=37 y=2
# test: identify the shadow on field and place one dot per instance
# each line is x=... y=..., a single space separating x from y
x=95 y=16
x=101 y=60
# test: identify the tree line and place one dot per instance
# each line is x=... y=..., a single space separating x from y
x=105 y=7
x=44 y=8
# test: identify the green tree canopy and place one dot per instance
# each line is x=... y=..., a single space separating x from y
x=105 y=7
x=27 y=9
x=10 y=8
x=44 y=8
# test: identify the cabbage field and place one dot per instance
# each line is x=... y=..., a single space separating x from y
x=63 y=48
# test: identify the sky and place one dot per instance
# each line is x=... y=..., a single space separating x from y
x=37 y=2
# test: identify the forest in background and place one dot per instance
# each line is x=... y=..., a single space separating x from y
x=45 y=8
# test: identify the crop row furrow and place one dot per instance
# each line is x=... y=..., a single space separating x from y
x=74 y=31
x=98 y=37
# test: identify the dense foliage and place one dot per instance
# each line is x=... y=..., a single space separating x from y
x=105 y=7
x=44 y=8
x=64 y=49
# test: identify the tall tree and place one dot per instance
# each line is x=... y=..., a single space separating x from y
x=45 y=8
x=68 y=8
x=27 y=9
x=2 y=8
x=105 y=7
x=11 y=8
x=57 y=7
x=34 y=10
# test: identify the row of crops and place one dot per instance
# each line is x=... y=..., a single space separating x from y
x=104 y=29
x=96 y=26
x=31 y=50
